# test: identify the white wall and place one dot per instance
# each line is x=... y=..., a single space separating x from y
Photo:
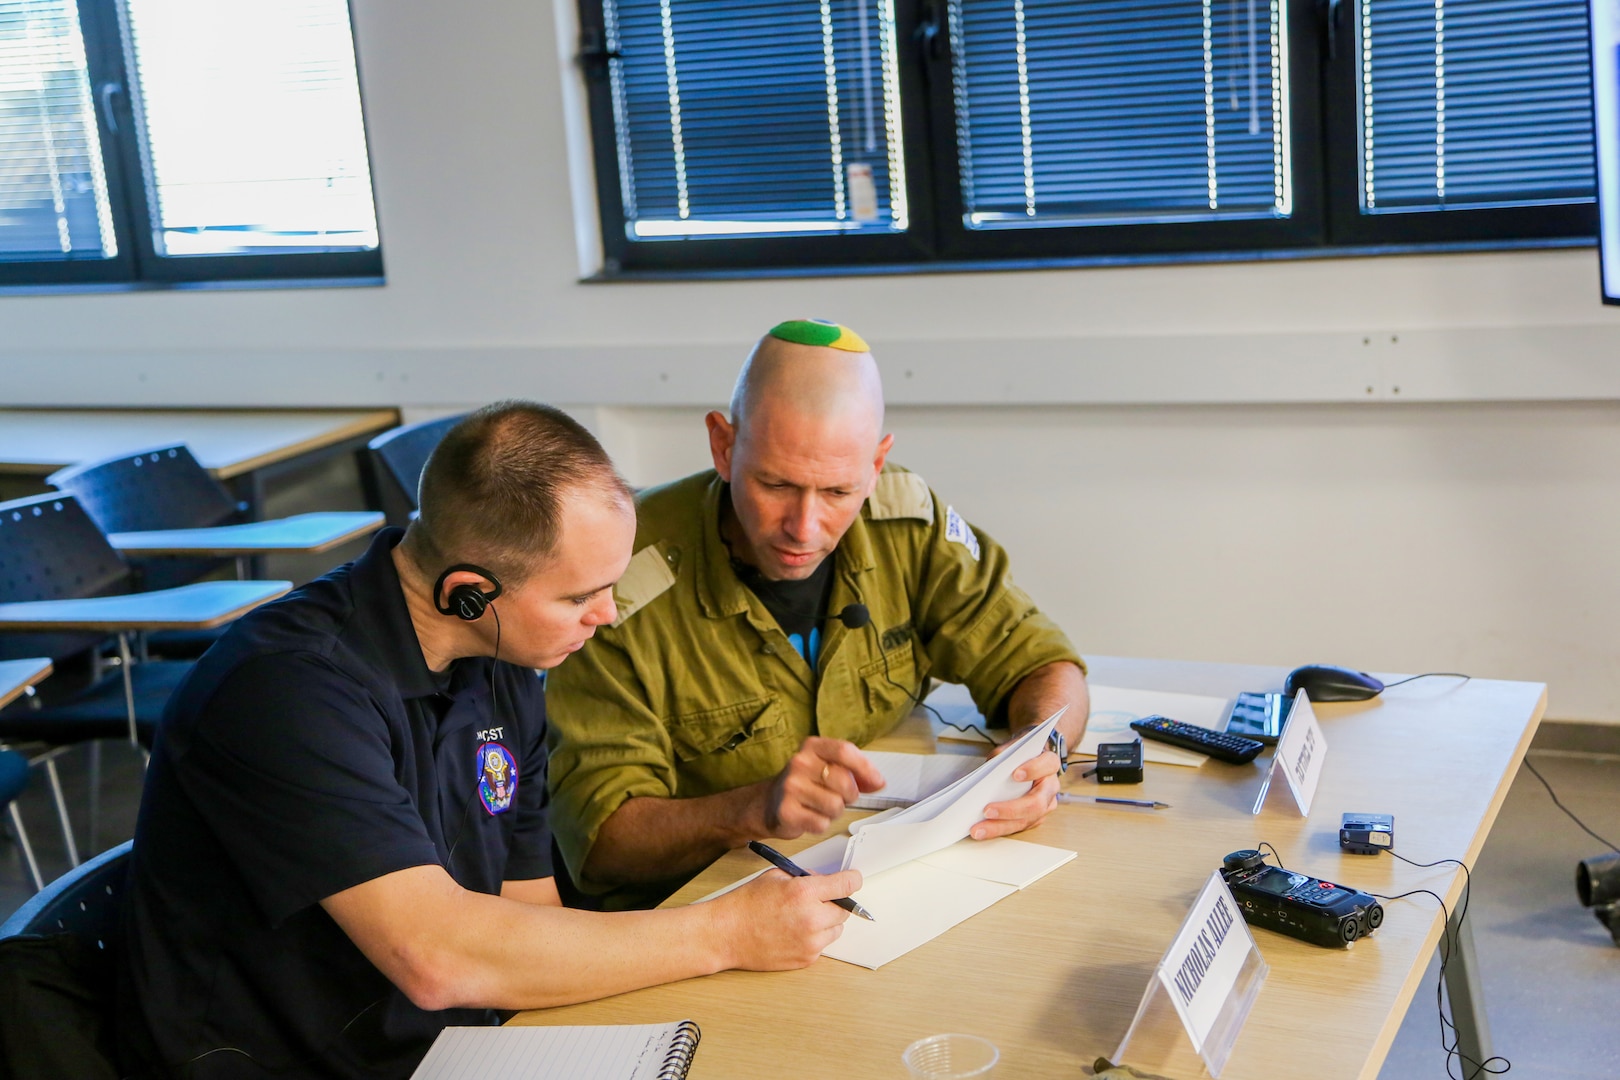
x=1440 y=430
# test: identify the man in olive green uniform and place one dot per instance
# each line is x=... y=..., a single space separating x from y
x=780 y=611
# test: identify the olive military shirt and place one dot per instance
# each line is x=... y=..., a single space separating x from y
x=695 y=688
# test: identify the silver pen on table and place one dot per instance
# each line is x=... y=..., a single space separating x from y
x=1065 y=797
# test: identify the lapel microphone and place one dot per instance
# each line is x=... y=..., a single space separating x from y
x=854 y=616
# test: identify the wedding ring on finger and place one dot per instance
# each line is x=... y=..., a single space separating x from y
x=826 y=771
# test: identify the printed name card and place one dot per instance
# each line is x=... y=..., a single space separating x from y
x=1202 y=965
x=1211 y=973
x=1299 y=755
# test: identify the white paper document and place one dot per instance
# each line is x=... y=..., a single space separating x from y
x=1113 y=709
x=921 y=874
x=912 y=777
x=915 y=903
x=945 y=816
x=924 y=898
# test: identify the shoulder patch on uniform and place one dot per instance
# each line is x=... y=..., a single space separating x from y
x=647 y=577
x=901 y=495
x=958 y=531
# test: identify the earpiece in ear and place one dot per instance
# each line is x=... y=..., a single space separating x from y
x=466 y=601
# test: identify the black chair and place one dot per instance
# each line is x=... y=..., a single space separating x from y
x=51 y=550
x=57 y=972
x=397 y=458
x=82 y=902
x=154 y=489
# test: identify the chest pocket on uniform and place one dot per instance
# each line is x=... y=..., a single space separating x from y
x=720 y=749
x=885 y=700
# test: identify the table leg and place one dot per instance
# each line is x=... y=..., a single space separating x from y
x=129 y=682
x=1467 y=998
x=94 y=754
x=61 y=810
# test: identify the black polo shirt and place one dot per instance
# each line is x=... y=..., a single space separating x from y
x=309 y=751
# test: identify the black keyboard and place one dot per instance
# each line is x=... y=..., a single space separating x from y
x=1217 y=744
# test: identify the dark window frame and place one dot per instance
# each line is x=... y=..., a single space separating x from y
x=1326 y=219
x=138 y=263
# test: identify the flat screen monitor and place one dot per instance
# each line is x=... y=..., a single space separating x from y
x=1606 y=101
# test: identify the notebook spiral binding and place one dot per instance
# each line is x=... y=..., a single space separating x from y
x=681 y=1048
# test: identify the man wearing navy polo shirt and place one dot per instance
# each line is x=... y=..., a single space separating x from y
x=344 y=842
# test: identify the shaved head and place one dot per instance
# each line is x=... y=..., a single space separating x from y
x=816 y=382
x=803 y=447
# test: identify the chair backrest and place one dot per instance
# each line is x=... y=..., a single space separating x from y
x=51 y=550
x=397 y=458
x=83 y=902
x=163 y=488
x=155 y=489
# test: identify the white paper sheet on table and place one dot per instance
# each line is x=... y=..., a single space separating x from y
x=1113 y=709
x=922 y=899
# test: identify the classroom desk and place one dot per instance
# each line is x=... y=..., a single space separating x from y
x=303 y=533
x=16 y=676
x=1053 y=974
x=201 y=606
x=243 y=448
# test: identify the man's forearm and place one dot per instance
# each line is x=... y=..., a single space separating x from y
x=1046 y=690
x=483 y=951
x=652 y=839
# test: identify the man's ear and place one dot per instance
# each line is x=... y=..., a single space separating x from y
x=882 y=456
x=722 y=441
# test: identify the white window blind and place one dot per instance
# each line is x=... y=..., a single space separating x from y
x=254 y=139
x=53 y=190
x=767 y=118
x=1120 y=111
x=1474 y=103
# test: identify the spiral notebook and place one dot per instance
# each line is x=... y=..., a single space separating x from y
x=603 y=1052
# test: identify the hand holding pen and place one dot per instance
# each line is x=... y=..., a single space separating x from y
x=788 y=866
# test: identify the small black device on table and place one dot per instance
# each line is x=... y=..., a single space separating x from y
x=1119 y=763
x=1218 y=745
x=1313 y=910
x=1366 y=834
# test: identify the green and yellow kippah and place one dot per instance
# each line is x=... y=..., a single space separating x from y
x=819 y=332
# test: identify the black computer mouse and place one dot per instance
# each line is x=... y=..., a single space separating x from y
x=1326 y=682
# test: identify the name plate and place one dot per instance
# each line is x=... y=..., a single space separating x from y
x=1202 y=965
x=1211 y=973
x=1299 y=756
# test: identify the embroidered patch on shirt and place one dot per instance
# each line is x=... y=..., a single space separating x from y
x=958 y=530
x=497 y=777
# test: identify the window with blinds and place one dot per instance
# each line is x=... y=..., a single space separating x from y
x=1120 y=111
x=777 y=117
x=1474 y=104
x=253 y=134
x=53 y=189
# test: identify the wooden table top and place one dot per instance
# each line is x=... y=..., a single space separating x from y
x=227 y=442
x=200 y=606
x=1053 y=974
x=307 y=533
x=18 y=675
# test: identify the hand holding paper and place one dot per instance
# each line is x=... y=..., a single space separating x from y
x=1029 y=809
x=822 y=777
x=948 y=815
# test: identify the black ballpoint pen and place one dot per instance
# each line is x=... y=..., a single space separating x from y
x=788 y=866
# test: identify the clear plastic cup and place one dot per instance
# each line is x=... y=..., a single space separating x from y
x=951 y=1057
